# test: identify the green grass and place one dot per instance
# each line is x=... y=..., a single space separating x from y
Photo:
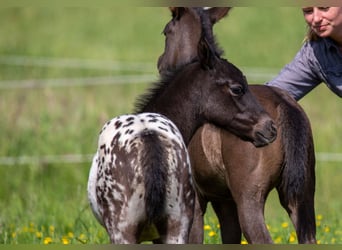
x=46 y=202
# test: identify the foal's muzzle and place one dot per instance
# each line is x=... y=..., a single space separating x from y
x=265 y=134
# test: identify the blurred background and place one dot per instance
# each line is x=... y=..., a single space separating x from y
x=66 y=71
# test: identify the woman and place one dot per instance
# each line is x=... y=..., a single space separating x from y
x=319 y=59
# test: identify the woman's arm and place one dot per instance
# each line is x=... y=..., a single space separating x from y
x=300 y=76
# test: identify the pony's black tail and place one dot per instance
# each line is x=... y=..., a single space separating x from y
x=154 y=164
x=298 y=171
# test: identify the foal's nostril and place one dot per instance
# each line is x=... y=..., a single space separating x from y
x=273 y=128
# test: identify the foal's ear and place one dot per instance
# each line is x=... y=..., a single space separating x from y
x=206 y=54
x=217 y=13
x=177 y=12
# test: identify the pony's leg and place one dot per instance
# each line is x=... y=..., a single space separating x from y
x=196 y=232
x=302 y=214
x=122 y=233
x=226 y=212
x=250 y=202
x=173 y=231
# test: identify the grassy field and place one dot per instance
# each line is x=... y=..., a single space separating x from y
x=57 y=75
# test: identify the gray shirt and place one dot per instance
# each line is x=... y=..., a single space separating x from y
x=316 y=62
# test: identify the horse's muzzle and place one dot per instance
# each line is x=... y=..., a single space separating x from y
x=265 y=135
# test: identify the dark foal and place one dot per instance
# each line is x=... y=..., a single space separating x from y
x=231 y=173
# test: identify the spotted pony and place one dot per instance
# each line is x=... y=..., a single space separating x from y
x=140 y=180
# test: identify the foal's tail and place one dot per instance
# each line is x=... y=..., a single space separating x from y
x=154 y=165
x=298 y=175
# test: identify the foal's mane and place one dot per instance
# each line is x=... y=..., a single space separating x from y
x=207 y=47
x=155 y=90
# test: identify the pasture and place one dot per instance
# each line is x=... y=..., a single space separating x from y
x=66 y=71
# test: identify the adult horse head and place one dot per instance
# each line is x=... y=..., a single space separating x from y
x=232 y=174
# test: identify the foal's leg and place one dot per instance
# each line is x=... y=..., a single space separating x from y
x=302 y=214
x=226 y=212
x=196 y=232
x=173 y=230
x=252 y=220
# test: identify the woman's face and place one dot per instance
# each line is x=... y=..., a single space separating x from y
x=325 y=21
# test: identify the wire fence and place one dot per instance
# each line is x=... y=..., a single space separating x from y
x=87 y=158
x=143 y=74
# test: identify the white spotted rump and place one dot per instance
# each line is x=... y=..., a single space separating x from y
x=140 y=176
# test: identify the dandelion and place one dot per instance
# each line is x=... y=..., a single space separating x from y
x=278 y=240
x=326 y=229
x=14 y=234
x=212 y=234
x=52 y=229
x=25 y=229
x=284 y=225
x=47 y=240
x=82 y=238
x=319 y=217
x=292 y=239
x=244 y=242
x=218 y=226
x=207 y=227
x=65 y=240
x=71 y=235
x=39 y=234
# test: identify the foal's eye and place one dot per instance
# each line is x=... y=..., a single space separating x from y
x=237 y=90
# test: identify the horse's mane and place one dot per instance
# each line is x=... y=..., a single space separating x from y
x=156 y=89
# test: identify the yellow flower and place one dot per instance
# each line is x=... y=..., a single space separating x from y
x=278 y=240
x=39 y=235
x=14 y=234
x=207 y=227
x=218 y=226
x=70 y=234
x=327 y=229
x=51 y=229
x=47 y=240
x=319 y=217
x=244 y=242
x=211 y=234
x=284 y=225
x=292 y=239
x=65 y=240
x=82 y=238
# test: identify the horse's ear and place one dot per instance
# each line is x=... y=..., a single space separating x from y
x=217 y=13
x=177 y=12
x=206 y=54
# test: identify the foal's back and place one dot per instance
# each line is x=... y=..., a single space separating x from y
x=140 y=177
